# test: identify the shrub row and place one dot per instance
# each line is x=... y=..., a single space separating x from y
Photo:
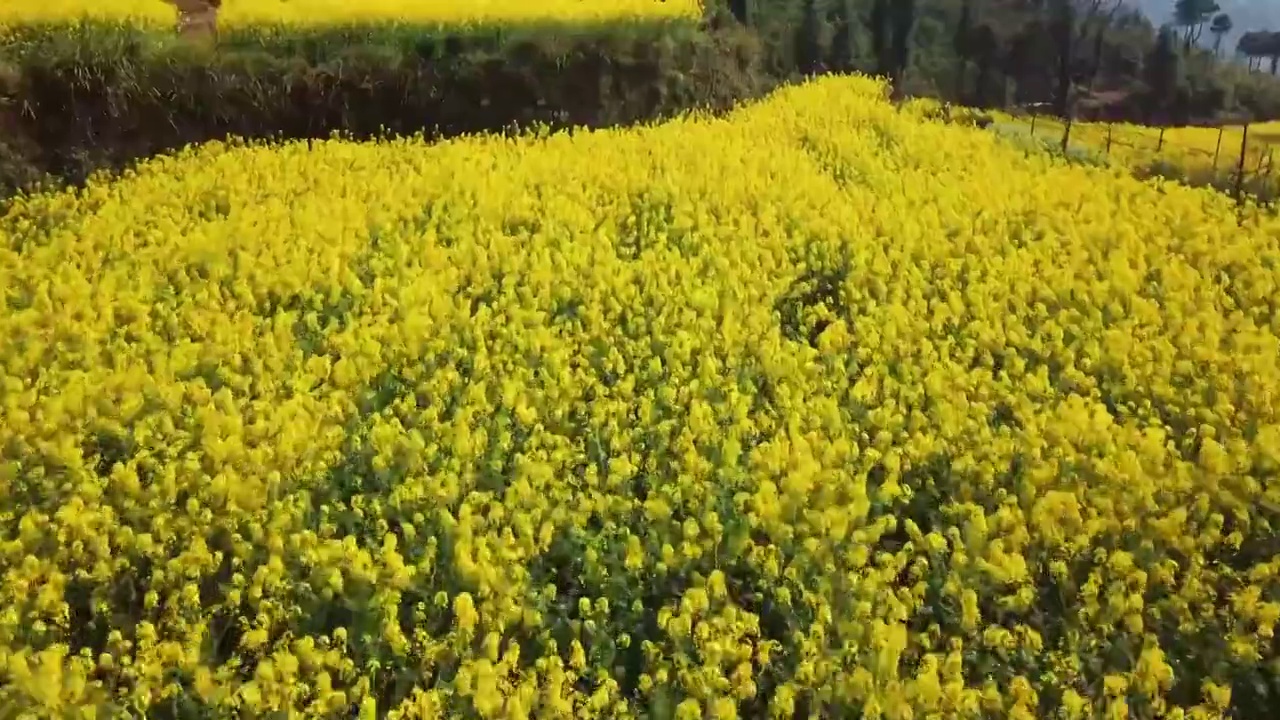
x=80 y=98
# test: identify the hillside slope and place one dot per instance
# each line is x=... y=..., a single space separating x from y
x=817 y=410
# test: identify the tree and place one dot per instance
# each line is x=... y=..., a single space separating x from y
x=1102 y=22
x=1036 y=51
x=1220 y=26
x=986 y=56
x=1068 y=24
x=1163 y=70
x=809 y=40
x=1191 y=15
x=1128 y=39
x=1253 y=46
x=1257 y=46
x=961 y=44
x=903 y=20
x=842 y=50
x=1062 y=26
x=878 y=27
x=1027 y=60
x=890 y=23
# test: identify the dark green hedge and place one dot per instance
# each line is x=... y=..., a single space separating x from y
x=80 y=98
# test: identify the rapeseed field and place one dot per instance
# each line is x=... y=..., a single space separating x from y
x=332 y=12
x=818 y=410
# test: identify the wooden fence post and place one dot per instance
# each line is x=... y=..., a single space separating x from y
x=1108 y=139
x=1218 y=148
x=1066 y=135
x=1160 y=142
x=1244 y=150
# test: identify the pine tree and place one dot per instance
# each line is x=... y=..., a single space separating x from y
x=809 y=40
x=1221 y=25
x=841 y=57
x=878 y=27
x=961 y=44
x=903 y=19
x=1063 y=29
x=1163 y=71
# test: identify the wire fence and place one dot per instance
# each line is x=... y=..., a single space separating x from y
x=1240 y=159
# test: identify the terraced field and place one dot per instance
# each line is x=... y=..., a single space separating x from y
x=817 y=408
x=320 y=12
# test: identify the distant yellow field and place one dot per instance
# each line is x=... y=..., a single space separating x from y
x=249 y=12
x=1192 y=148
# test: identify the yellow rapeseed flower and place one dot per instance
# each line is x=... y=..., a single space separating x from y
x=819 y=407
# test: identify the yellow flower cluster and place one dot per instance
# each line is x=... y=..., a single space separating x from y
x=815 y=410
x=312 y=12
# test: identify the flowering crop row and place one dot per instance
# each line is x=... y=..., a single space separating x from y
x=816 y=409
x=315 y=12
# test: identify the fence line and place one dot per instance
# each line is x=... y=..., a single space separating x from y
x=1161 y=150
